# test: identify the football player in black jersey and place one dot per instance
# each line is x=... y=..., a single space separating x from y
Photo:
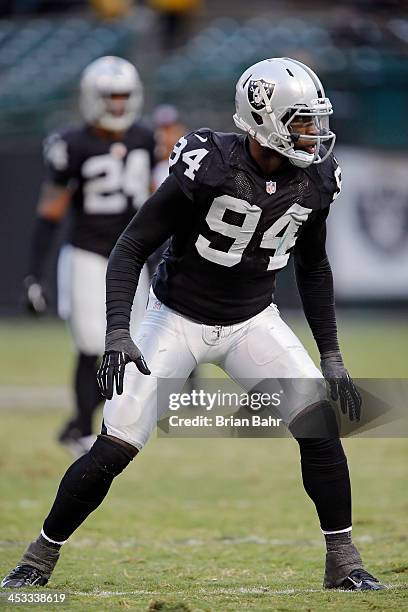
x=234 y=208
x=100 y=173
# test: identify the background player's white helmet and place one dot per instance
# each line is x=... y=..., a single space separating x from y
x=111 y=93
x=274 y=95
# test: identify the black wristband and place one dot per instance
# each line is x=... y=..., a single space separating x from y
x=335 y=355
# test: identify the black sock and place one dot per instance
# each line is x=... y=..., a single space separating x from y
x=326 y=481
x=85 y=485
x=87 y=393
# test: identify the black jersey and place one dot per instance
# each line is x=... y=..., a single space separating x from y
x=110 y=179
x=240 y=228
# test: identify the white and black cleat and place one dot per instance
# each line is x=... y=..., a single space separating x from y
x=360 y=580
x=24 y=576
x=76 y=443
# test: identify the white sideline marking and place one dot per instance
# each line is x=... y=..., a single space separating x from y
x=268 y=591
x=224 y=591
x=112 y=593
x=35 y=398
x=231 y=541
x=132 y=543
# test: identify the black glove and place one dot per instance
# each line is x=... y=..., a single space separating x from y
x=341 y=385
x=35 y=299
x=119 y=350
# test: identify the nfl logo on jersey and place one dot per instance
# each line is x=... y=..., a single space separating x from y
x=270 y=187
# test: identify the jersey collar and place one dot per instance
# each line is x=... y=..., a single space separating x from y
x=287 y=169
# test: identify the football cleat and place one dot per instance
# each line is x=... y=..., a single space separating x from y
x=23 y=576
x=360 y=580
x=74 y=442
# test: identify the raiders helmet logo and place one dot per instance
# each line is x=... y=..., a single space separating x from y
x=385 y=228
x=255 y=96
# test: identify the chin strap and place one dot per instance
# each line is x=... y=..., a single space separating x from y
x=301 y=159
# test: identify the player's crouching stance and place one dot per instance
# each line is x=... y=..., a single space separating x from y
x=234 y=207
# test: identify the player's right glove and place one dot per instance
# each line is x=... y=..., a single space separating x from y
x=119 y=350
x=35 y=299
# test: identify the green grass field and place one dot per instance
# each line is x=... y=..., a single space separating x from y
x=213 y=524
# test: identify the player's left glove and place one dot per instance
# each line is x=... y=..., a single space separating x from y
x=35 y=299
x=341 y=384
x=119 y=350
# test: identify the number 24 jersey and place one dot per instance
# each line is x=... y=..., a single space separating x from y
x=110 y=180
x=240 y=229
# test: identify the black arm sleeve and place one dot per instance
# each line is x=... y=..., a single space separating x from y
x=154 y=223
x=315 y=282
x=43 y=236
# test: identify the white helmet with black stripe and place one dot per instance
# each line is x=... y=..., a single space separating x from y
x=276 y=95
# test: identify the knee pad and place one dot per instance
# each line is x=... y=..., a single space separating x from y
x=327 y=454
x=110 y=456
x=316 y=421
x=90 y=476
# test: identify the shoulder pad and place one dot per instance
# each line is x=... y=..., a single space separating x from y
x=196 y=161
x=60 y=151
x=55 y=150
x=327 y=179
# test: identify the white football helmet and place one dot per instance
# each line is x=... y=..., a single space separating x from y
x=101 y=81
x=275 y=93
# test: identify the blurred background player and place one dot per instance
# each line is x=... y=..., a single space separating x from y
x=168 y=129
x=99 y=172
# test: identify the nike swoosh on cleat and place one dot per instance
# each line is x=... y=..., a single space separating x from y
x=357 y=584
x=201 y=138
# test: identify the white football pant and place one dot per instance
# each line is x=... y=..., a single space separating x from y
x=81 y=298
x=263 y=347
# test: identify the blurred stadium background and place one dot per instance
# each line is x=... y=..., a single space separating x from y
x=190 y=54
